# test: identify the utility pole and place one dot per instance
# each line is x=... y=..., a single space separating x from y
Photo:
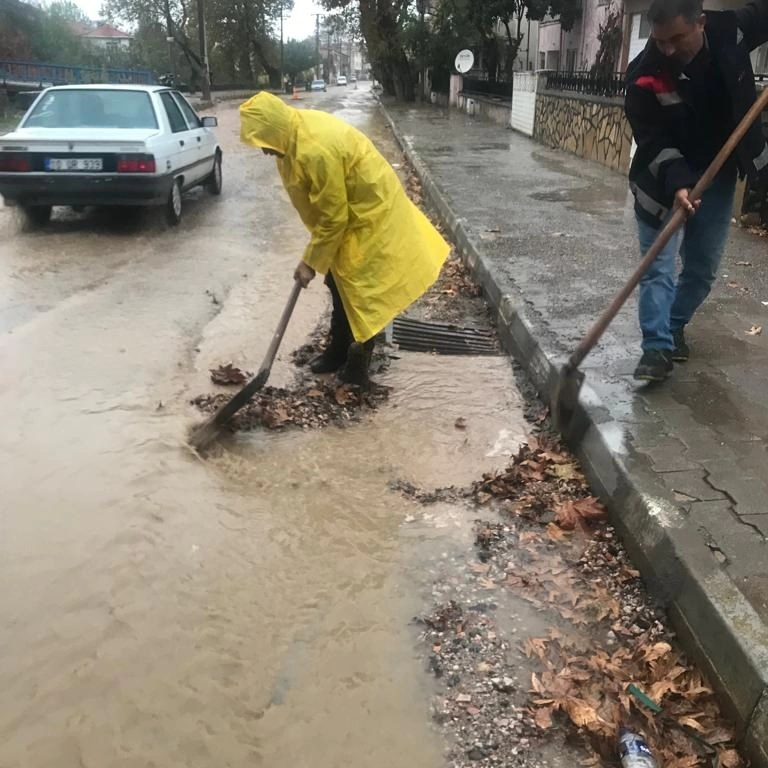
x=206 y=87
x=318 y=73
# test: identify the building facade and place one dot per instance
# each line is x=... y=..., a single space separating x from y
x=576 y=49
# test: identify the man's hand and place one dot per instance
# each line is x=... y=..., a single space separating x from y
x=683 y=201
x=304 y=274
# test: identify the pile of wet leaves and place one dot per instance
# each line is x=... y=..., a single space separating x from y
x=311 y=405
x=608 y=657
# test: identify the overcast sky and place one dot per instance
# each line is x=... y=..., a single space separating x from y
x=300 y=24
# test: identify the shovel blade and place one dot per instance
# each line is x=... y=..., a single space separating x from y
x=565 y=399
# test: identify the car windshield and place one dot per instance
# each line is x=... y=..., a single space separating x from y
x=319 y=82
x=93 y=108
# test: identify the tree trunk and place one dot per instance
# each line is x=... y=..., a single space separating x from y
x=383 y=36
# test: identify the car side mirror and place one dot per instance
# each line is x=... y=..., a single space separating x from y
x=209 y=122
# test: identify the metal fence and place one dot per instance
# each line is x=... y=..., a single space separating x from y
x=587 y=83
x=501 y=89
x=56 y=74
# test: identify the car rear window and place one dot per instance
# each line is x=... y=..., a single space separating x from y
x=93 y=109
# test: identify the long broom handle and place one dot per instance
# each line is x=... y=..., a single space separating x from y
x=677 y=220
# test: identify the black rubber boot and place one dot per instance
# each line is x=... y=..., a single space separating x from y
x=332 y=358
x=358 y=361
x=335 y=355
x=654 y=365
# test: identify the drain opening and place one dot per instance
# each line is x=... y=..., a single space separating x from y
x=418 y=336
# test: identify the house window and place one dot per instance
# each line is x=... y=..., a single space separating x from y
x=570 y=60
x=553 y=61
x=640 y=32
x=542 y=60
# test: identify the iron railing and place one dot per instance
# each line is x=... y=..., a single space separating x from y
x=58 y=74
x=587 y=83
x=500 y=89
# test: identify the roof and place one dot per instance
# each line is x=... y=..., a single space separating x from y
x=102 y=31
x=109 y=87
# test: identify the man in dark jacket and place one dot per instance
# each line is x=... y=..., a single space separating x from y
x=686 y=92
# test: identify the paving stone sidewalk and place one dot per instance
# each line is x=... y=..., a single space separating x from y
x=552 y=237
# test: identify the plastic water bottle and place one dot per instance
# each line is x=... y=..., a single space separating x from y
x=634 y=751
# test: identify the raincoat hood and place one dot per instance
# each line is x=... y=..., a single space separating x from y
x=266 y=122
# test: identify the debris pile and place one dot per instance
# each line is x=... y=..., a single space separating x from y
x=607 y=658
x=311 y=406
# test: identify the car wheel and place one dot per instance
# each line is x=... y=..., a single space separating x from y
x=173 y=207
x=34 y=216
x=214 y=183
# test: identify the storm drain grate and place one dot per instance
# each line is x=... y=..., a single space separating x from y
x=417 y=336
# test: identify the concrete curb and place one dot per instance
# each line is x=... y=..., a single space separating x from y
x=715 y=622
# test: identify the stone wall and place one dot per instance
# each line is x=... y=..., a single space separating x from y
x=589 y=126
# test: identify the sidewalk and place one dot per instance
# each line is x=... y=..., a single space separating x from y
x=685 y=466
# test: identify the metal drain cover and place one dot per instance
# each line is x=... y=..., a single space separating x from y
x=417 y=336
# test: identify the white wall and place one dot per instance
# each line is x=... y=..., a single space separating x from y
x=524 y=102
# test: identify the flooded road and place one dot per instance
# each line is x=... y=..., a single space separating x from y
x=157 y=610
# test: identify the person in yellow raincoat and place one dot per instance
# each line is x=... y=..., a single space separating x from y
x=377 y=250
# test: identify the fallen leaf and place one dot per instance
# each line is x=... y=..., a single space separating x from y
x=344 y=395
x=658 y=651
x=743 y=263
x=460 y=423
x=543 y=718
x=693 y=724
x=730 y=758
x=565 y=471
x=582 y=714
x=228 y=374
x=755 y=330
x=555 y=533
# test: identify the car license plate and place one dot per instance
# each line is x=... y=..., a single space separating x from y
x=73 y=164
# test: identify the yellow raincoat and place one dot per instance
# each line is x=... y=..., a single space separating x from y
x=381 y=249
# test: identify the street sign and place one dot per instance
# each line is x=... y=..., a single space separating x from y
x=465 y=61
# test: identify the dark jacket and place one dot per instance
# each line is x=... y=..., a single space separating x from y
x=662 y=116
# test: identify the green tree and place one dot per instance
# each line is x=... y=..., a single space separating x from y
x=383 y=25
x=474 y=24
x=299 y=58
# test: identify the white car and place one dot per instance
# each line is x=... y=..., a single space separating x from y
x=341 y=80
x=108 y=145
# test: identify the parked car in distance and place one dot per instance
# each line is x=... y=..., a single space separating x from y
x=95 y=145
x=353 y=79
x=341 y=80
x=319 y=85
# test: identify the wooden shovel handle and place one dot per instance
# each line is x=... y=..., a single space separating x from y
x=673 y=225
x=244 y=396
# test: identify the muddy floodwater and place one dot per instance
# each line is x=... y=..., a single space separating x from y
x=157 y=610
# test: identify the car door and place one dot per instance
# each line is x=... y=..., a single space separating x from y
x=185 y=155
x=201 y=136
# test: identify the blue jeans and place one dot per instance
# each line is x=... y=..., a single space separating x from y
x=665 y=305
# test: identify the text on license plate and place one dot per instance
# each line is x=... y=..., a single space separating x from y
x=73 y=164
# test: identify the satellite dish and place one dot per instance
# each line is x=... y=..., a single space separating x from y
x=465 y=61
